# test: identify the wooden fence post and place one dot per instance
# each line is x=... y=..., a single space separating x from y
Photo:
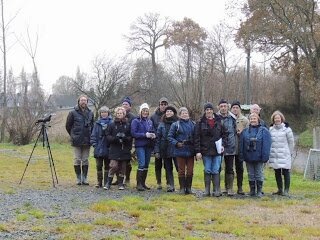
x=316 y=138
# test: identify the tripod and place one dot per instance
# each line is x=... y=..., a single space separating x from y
x=45 y=142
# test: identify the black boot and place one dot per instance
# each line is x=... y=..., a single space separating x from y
x=121 y=185
x=259 y=188
x=252 y=185
x=109 y=183
x=128 y=172
x=99 y=179
x=188 y=185
x=239 y=183
x=158 y=173
x=170 y=179
x=216 y=183
x=144 y=178
x=182 y=183
x=85 y=174
x=286 y=175
x=207 y=183
x=277 y=174
x=105 y=178
x=229 y=184
x=77 y=170
x=139 y=180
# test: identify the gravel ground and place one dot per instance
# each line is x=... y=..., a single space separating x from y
x=67 y=204
x=58 y=204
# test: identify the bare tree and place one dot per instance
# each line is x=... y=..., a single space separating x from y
x=147 y=35
x=106 y=80
x=4 y=48
x=221 y=59
x=186 y=43
x=64 y=85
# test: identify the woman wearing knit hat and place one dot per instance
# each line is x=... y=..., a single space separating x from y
x=181 y=137
x=163 y=149
x=144 y=133
x=208 y=130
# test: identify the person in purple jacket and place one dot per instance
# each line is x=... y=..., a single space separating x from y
x=144 y=133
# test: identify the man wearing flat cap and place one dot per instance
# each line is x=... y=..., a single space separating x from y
x=242 y=123
x=229 y=122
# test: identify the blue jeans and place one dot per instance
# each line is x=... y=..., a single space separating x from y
x=255 y=171
x=143 y=155
x=212 y=164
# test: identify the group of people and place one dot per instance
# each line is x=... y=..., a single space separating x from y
x=177 y=142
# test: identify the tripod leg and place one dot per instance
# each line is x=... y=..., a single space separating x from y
x=35 y=144
x=51 y=162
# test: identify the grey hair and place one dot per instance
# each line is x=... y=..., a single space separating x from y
x=104 y=109
x=182 y=109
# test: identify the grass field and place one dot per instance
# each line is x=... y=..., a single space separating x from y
x=165 y=215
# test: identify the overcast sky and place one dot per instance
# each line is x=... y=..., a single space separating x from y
x=72 y=32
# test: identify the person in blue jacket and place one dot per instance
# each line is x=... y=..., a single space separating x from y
x=98 y=141
x=255 y=144
x=181 y=136
x=163 y=149
x=143 y=132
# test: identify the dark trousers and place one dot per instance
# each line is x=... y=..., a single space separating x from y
x=185 y=166
x=102 y=163
x=228 y=160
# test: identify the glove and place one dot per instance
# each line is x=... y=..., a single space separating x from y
x=198 y=156
x=179 y=144
x=157 y=155
x=150 y=135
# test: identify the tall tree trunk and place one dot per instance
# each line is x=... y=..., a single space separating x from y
x=5 y=104
x=296 y=78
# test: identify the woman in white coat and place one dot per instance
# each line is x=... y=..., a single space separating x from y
x=281 y=151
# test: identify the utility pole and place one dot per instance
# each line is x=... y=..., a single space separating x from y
x=248 y=95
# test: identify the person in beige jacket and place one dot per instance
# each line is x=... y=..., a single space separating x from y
x=282 y=145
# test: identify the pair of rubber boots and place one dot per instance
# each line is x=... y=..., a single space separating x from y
x=141 y=180
x=169 y=179
x=102 y=180
x=256 y=188
x=81 y=177
x=185 y=184
x=215 y=179
x=286 y=176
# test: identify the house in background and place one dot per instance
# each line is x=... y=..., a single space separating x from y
x=61 y=101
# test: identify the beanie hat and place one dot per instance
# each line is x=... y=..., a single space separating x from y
x=163 y=99
x=143 y=106
x=127 y=100
x=222 y=101
x=235 y=102
x=171 y=108
x=208 y=105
